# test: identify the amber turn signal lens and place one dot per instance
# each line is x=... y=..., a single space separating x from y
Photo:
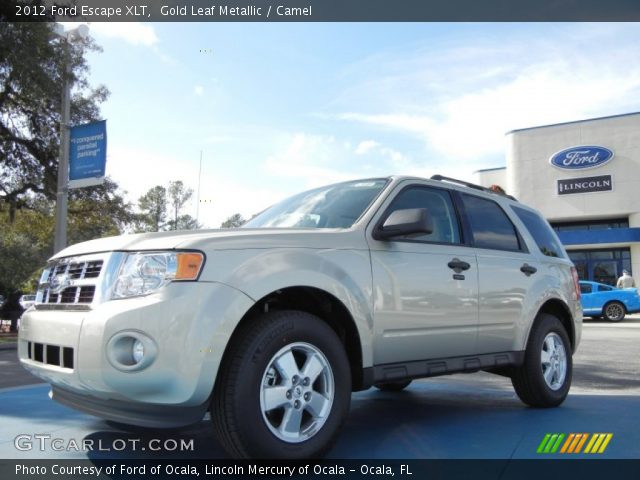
x=189 y=265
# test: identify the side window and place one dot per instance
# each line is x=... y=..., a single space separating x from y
x=604 y=288
x=440 y=206
x=490 y=226
x=585 y=288
x=541 y=232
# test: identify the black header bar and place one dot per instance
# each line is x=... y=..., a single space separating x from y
x=319 y=10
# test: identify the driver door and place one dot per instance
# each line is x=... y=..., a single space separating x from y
x=423 y=308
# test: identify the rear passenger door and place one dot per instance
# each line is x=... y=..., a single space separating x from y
x=425 y=286
x=506 y=272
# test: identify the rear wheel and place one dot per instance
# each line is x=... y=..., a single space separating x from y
x=544 y=378
x=393 y=386
x=284 y=391
x=614 y=311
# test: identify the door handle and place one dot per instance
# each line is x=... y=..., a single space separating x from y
x=458 y=265
x=528 y=269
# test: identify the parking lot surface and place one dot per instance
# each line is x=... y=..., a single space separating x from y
x=468 y=416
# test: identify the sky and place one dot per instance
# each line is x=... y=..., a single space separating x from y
x=275 y=109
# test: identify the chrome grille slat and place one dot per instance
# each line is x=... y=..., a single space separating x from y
x=76 y=280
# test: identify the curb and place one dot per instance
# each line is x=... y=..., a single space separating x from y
x=9 y=346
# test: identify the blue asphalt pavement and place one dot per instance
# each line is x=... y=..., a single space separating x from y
x=459 y=417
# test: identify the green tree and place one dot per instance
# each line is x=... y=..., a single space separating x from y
x=25 y=245
x=153 y=210
x=187 y=222
x=178 y=195
x=99 y=211
x=161 y=209
x=234 y=221
x=27 y=241
x=32 y=61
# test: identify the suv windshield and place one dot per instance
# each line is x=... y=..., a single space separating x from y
x=334 y=206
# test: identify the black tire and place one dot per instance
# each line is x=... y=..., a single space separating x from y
x=614 y=311
x=393 y=386
x=240 y=425
x=528 y=379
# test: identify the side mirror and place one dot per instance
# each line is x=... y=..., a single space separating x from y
x=405 y=222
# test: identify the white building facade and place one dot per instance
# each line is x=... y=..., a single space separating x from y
x=584 y=177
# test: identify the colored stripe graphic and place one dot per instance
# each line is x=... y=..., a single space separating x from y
x=556 y=443
x=543 y=443
x=555 y=447
x=591 y=442
x=568 y=442
x=605 y=443
x=599 y=443
x=584 y=439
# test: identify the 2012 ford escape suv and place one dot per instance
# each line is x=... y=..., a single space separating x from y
x=270 y=327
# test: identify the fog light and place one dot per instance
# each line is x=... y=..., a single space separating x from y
x=131 y=351
x=137 y=351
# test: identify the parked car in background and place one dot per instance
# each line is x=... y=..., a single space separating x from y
x=27 y=300
x=600 y=300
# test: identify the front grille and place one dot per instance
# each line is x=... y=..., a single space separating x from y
x=70 y=282
x=50 y=354
x=76 y=270
x=71 y=295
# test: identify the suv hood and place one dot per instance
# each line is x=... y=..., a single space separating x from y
x=222 y=239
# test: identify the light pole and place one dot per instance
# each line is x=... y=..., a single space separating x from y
x=78 y=33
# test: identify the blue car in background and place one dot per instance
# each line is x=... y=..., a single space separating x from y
x=600 y=300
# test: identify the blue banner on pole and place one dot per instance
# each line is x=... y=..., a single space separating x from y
x=87 y=154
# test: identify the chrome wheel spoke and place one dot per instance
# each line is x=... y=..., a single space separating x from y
x=548 y=375
x=287 y=366
x=291 y=422
x=317 y=404
x=545 y=357
x=550 y=346
x=312 y=368
x=275 y=397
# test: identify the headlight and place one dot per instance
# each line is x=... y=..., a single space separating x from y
x=145 y=273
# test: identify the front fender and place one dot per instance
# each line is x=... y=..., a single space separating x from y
x=345 y=274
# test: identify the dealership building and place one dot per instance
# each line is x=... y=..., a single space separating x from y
x=584 y=177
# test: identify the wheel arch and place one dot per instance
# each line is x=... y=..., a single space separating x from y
x=323 y=305
x=560 y=310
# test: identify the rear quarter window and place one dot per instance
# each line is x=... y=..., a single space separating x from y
x=490 y=226
x=541 y=232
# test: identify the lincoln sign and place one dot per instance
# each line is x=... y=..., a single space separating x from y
x=579 y=158
x=585 y=185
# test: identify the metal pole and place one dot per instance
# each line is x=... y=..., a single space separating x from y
x=60 y=240
x=198 y=202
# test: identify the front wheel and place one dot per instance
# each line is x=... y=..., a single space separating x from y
x=614 y=311
x=544 y=378
x=285 y=389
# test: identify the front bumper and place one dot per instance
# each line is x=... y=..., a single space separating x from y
x=190 y=324
x=130 y=413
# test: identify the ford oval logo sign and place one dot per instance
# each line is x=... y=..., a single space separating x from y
x=579 y=158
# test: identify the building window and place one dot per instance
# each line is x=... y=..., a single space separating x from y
x=591 y=225
x=603 y=266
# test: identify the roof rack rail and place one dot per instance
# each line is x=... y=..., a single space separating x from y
x=471 y=185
